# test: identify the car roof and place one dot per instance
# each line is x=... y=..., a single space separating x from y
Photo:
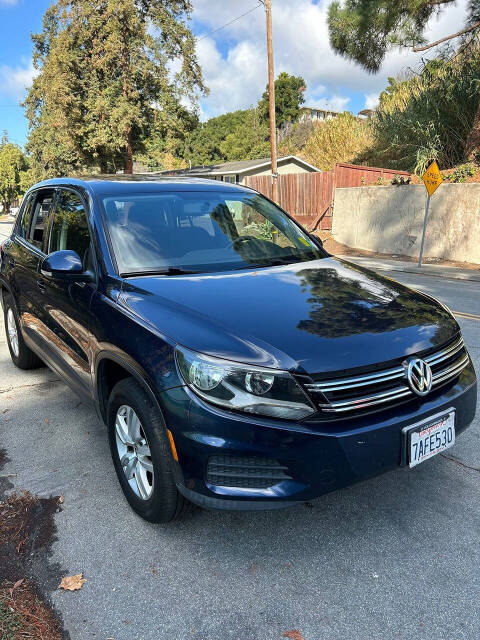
x=139 y=183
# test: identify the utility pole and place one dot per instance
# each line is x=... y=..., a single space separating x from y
x=271 y=100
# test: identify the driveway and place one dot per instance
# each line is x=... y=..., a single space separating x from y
x=396 y=557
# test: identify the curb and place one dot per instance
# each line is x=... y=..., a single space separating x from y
x=424 y=271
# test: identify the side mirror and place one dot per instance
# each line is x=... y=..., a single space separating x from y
x=64 y=265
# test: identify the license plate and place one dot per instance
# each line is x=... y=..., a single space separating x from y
x=431 y=438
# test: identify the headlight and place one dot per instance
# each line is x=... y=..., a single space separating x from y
x=242 y=387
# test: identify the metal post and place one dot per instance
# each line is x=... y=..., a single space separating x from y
x=271 y=101
x=427 y=207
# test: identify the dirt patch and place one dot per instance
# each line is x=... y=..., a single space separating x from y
x=27 y=531
x=337 y=248
x=24 y=615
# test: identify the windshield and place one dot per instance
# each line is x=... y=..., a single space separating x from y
x=202 y=231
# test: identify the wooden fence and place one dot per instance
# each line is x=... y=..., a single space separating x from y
x=308 y=197
x=352 y=175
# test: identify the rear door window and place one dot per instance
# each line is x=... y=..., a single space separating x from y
x=41 y=209
x=26 y=218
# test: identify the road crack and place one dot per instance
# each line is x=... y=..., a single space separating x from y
x=26 y=386
x=460 y=464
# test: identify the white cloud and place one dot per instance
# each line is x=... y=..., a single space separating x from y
x=236 y=81
x=8 y=2
x=15 y=80
x=331 y=103
x=371 y=100
x=234 y=59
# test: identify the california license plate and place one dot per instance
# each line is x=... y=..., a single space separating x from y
x=431 y=437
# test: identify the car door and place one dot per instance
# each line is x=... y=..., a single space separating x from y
x=25 y=254
x=67 y=304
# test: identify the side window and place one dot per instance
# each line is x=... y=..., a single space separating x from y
x=26 y=217
x=70 y=228
x=41 y=209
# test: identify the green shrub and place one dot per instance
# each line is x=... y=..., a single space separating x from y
x=461 y=173
x=428 y=115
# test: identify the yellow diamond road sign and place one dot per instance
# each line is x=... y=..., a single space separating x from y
x=432 y=178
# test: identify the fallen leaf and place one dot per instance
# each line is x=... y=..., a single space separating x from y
x=19 y=545
x=61 y=499
x=72 y=583
x=46 y=420
x=15 y=586
x=155 y=572
x=293 y=635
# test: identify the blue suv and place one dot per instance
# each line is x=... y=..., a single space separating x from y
x=235 y=363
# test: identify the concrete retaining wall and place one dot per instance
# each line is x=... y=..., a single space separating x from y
x=390 y=220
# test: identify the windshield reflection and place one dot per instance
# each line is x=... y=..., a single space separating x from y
x=202 y=231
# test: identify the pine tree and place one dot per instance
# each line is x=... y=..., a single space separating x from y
x=364 y=30
x=105 y=72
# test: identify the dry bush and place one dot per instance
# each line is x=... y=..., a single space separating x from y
x=341 y=139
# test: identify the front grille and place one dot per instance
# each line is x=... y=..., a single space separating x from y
x=386 y=387
x=245 y=473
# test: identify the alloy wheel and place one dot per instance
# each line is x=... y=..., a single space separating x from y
x=134 y=452
x=12 y=332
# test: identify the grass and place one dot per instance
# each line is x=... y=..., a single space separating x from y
x=10 y=624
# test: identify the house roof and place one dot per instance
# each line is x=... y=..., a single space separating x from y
x=306 y=108
x=237 y=167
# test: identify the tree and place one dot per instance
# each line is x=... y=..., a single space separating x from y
x=204 y=145
x=249 y=140
x=288 y=98
x=364 y=30
x=104 y=72
x=13 y=166
x=165 y=145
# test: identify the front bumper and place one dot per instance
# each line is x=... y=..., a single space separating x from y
x=320 y=456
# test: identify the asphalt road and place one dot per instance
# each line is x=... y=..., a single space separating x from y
x=396 y=557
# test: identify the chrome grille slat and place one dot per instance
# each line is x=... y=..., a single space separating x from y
x=367 y=379
x=452 y=371
x=377 y=398
x=446 y=353
x=395 y=376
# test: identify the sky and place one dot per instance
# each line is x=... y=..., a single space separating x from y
x=233 y=58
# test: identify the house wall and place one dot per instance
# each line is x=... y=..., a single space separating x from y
x=390 y=220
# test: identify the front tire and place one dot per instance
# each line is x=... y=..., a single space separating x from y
x=21 y=355
x=141 y=454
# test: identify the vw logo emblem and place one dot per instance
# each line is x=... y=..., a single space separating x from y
x=419 y=376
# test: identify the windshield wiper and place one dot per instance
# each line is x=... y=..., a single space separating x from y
x=171 y=271
x=274 y=262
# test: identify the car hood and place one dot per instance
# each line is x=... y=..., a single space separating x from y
x=311 y=317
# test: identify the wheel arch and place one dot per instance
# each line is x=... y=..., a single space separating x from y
x=5 y=290
x=110 y=368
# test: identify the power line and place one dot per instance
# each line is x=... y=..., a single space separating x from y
x=260 y=4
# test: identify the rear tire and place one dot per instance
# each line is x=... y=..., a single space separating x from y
x=22 y=356
x=142 y=455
